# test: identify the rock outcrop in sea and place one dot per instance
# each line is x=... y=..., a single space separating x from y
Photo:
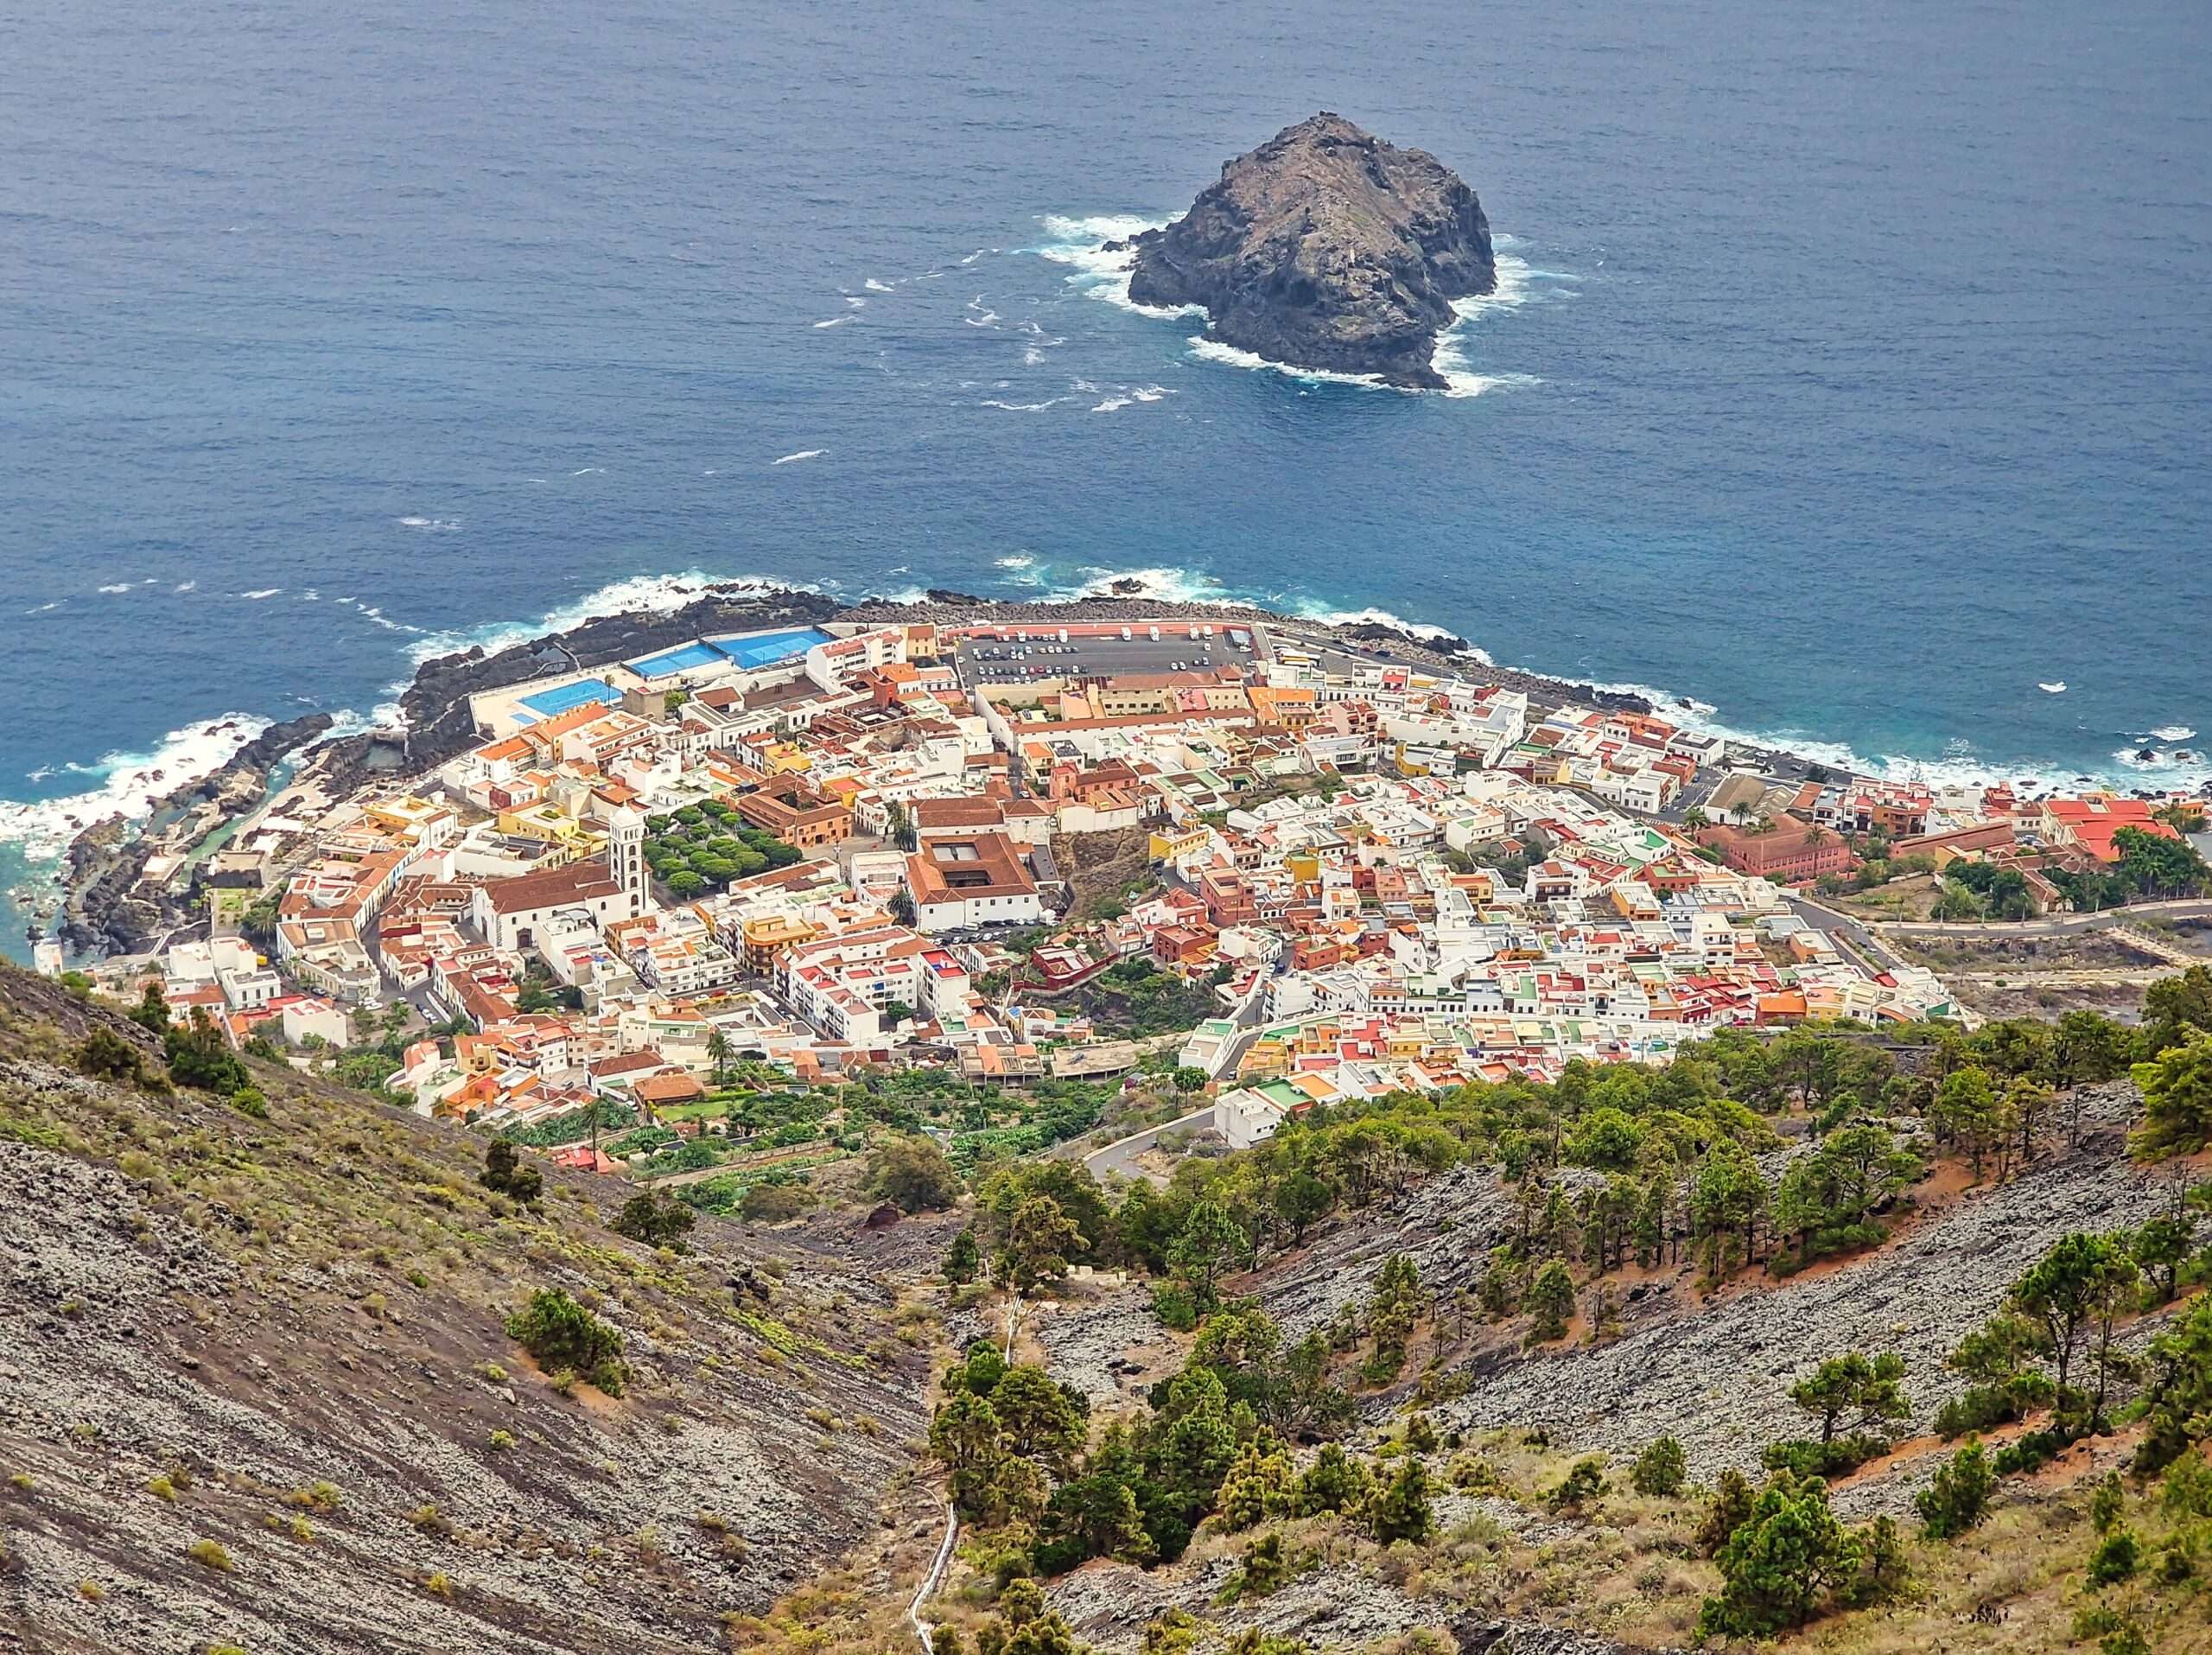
x=1325 y=248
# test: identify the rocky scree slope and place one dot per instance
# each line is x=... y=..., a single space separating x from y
x=255 y=1391
x=1325 y=248
x=1715 y=1370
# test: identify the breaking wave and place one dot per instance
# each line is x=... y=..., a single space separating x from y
x=1095 y=271
x=640 y=594
x=124 y=784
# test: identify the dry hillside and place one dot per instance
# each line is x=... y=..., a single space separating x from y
x=255 y=1391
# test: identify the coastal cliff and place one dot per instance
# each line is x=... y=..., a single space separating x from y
x=1325 y=248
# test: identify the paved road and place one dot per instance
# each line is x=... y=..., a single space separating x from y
x=1855 y=940
x=1119 y=1158
x=2185 y=908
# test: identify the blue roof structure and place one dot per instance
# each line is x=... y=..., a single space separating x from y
x=551 y=704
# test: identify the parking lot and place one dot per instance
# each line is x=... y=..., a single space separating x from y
x=986 y=661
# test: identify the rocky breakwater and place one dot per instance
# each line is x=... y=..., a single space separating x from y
x=1325 y=248
x=110 y=905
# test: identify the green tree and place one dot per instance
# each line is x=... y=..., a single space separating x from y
x=105 y=1055
x=1782 y=1565
x=1262 y=1484
x=561 y=1335
x=2089 y=1048
x=1958 y=1495
x=1334 y=1482
x=1966 y=1113
x=1728 y=1510
x=1300 y=1201
x=200 y=1054
x=720 y=1054
x=1039 y=1239
x=912 y=1175
x=504 y=1171
x=1549 y=1301
x=1661 y=1469
x=962 y=1259
x=1190 y=1079
x=1038 y=1420
x=1401 y=1508
x=2174 y=1009
x=2176 y=1089
x=1727 y=1200
x=1872 y=1388
x=655 y=1220
x=1208 y=1243
x=2178 y=1397
x=2082 y=1284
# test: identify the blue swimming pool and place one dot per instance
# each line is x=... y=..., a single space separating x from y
x=764 y=647
x=550 y=704
x=677 y=660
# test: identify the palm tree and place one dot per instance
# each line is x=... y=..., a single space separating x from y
x=718 y=1054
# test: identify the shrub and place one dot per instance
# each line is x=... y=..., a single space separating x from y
x=1580 y=1490
x=775 y=1203
x=2117 y=1557
x=1400 y=1509
x=562 y=1334
x=1175 y=1305
x=2107 y=1503
x=251 y=1100
x=1839 y=1457
x=1729 y=1509
x=656 y=1220
x=105 y=1055
x=161 y=1489
x=1784 y=1564
x=199 y=1055
x=1959 y=1494
x=209 y=1554
x=1982 y=1406
x=1660 y=1469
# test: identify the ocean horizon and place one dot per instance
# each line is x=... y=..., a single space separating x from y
x=1843 y=392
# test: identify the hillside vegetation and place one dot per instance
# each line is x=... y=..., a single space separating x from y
x=1856 y=1344
x=267 y=1380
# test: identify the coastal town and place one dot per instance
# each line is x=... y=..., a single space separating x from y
x=1285 y=867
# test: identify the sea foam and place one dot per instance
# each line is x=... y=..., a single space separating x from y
x=640 y=594
x=125 y=784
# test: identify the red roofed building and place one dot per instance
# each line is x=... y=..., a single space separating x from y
x=2088 y=825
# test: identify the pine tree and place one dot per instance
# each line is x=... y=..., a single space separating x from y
x=1958 y=1495
x=1401 y=1508
x=962 y=1260
x=1660 y=1469
x=1780 y=1567
x=1550 y=1301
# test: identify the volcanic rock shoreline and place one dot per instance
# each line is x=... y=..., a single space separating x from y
x=110 y=907
x=1325 y=248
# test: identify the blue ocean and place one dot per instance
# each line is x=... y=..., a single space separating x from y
x=1848 y=379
